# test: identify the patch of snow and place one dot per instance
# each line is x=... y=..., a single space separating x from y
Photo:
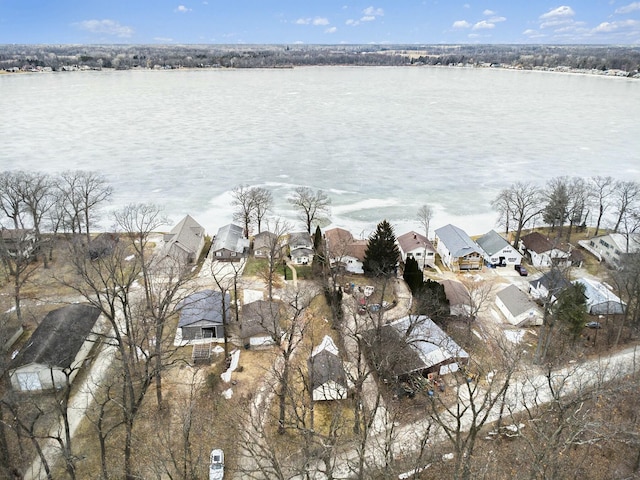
x=514 y=336
x=447 y=456
x=217 y=349
x=252 y=295
x=228 y=393
x=129 y=258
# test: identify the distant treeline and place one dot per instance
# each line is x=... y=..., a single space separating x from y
x=60 y=57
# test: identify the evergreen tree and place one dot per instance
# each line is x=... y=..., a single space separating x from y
x=381 y=255
x=319 y=260
x=571 y=309
x=412 y=275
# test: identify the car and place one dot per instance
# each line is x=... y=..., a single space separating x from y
x=521 y=270
x=216 y=465
x=593 y=325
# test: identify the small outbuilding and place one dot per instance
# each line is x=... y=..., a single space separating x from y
x=260 y=323
x=518 y=308
x=56 y=350
x=459 y=298
x=328 y=378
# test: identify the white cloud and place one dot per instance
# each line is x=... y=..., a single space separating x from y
x=317 y=21
x=461 y=24
x=483 y=25
x=632 y=7
x=182 y=9
x=608 y=27
x=466 y=5
x=497 y=19
x=488 y=12
x=331 y=30
x=560 y=12
x=368 y=18
x=163 y=39
x=373 y=12
x=108 y=27
x=352 y=23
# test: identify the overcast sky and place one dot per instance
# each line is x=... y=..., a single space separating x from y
x=319 y=22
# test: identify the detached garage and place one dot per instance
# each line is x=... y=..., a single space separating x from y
x=57 y=348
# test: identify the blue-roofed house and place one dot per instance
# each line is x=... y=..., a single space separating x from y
x=600 y=299
x=497 y=251
x=456 y=249
x=230 y=244
x=184 y=243
x=203 y=315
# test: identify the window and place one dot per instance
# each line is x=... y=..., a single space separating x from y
x=512 y=260
x=604 y=244
x=29 y=381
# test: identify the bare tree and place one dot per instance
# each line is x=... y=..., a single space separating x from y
x=262 y=202
x=425 y=215
x=38 y=199
x=479 y=294
x=225 y=276
x=521 y=202
x=626 y=196
x=243 y=202
x=275 y=238
x=579 y=198
x=603 y=188
x=311 y=206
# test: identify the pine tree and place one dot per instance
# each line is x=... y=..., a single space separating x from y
x=381 y=255
x=412 y=275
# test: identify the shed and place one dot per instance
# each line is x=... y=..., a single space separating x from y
x=328 y=378
x=56 y=349
x=517 y=307
x=458 y=296
x=260 y=323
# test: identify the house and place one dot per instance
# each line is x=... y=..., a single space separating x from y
x=184 y=243
x=56 y=350
x=543 y=252
x=459 y=298
x=328 y=378
x=413 y=346
x=300 y=248
x=517 y=307
x=416 y=246
x=548 y=286
x=457 y=250
x=203 y=315
x=230 y=244
x=260 y=323
x=497 y=251
x=17 y=241
x=264 y=244
x=612 y=247
x=600 y=299
x=345 y=251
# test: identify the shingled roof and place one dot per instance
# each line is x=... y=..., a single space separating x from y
x=457 y=241
x=59 y=337
x=205 y=305
x=325 y=365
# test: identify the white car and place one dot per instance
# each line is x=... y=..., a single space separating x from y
x=216 y=466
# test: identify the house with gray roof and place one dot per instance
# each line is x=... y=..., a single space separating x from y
x=518 y=308
x=459 y=298
x=497 y=251
x=548 y=286
x=413 y=345
x=230 y=244
x=301 y=248
x=203 y=316
x=265 y=243
x=416 y=246
x=600 y=299
x=184 y=243
x=56 y=350
x=456 y=249
x=326 y=371
x=260 y=323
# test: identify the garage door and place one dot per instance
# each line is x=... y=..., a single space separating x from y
x=29 y=381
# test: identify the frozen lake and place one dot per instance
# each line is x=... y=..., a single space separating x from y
x=380 y=141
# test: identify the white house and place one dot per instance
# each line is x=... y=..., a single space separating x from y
x=612 y=247
x=542 y=251
x=326 y=371
x=456 y=249
x=416 y=246
x=548 y=286
x=345 y=251
x=517 y=307
x=600 y=299
x=498 y=251
x=300 y=248
x=56 y=350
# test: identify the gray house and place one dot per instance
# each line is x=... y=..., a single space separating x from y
x=300 y=248
x=184 y=243
x=517 y=307
x=498 y=251
x=456 y=249
x=56 y=349
x=263 y=244
x=327 y=375
x=230 y=244
x=202 y=315
x=260 y=323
